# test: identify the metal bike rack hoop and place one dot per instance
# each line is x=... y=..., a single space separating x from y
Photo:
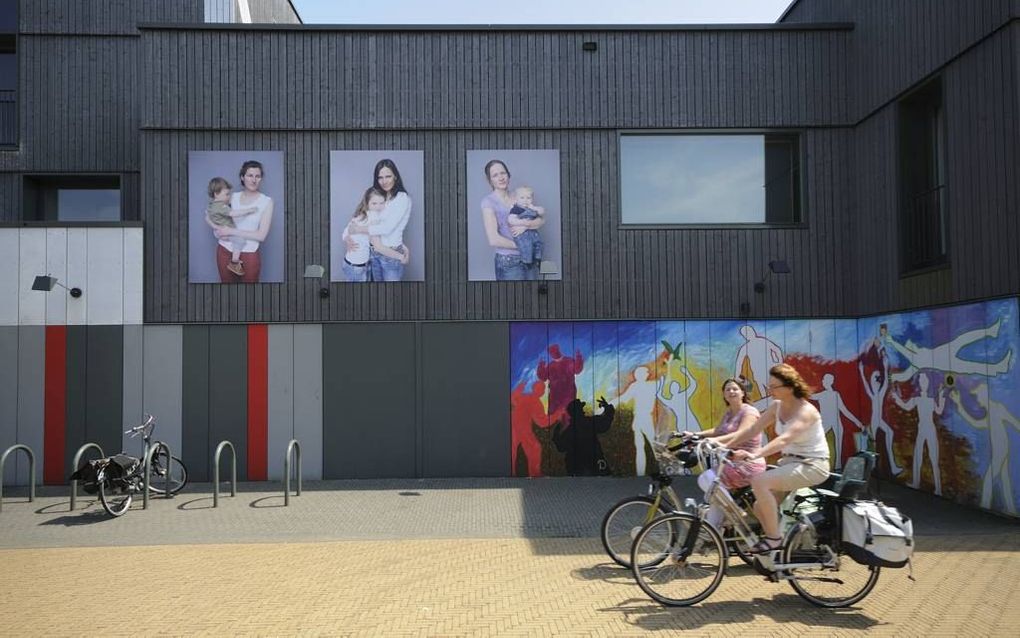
x=31 y=471
x=74 y=468
x=216 y=471
x=148 y=466
x=296 y=448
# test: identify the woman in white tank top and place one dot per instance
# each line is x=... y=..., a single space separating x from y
x=800 y=437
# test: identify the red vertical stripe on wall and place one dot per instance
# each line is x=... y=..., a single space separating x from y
x=55 y=405
x=258 y=402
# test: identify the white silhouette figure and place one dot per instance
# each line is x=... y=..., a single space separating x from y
x=999 y=418
x=876 y=387
x=642 y=393
x=679 y=402
x=929 y=358
x=927 y=407
x=761 y=354
x=831 y=406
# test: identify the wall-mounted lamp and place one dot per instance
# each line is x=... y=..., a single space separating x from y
x=779 y=266
x=315 y=271
x=589 y=46
x=546 y=269
x=46 y=284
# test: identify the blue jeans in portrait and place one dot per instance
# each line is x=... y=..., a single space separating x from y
x=386 y=268
x=354 y=272
x=512 y=268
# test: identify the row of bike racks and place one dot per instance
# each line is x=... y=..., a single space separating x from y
x=293 y=450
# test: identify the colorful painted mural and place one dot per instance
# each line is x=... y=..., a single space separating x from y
x=930 y=390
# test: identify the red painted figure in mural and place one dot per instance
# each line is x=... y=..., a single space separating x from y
x=526 y=409
x=559 y=372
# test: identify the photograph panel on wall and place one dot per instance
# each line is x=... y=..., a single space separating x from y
x=514 y=220
x=377 y=216
x=236 y=217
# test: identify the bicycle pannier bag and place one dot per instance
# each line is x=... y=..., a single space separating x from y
x=876 y=534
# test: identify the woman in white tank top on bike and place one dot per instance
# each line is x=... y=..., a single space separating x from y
x=800 y=437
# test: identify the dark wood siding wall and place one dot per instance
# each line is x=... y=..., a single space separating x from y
x=106 y=17
x=448 y=92
x=976 y=47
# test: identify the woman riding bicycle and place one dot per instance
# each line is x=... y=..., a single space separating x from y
x=800 y=437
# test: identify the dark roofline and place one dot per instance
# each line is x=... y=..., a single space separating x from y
x=220 y=26
x=789 y=8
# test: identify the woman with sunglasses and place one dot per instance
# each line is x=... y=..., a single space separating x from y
x=800 y=437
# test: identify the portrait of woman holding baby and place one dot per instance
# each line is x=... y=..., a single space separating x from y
x=239 y=238
x=513 y=219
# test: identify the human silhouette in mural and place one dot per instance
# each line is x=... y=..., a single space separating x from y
x=643 y=393
x=927 y=407
x=998 y=419
x=832 y=408
x=525 y=410
x=759 y=354
x=679 y=401
x=559 y=373
x=579 y=441
x=876 y=386
x=947 y=354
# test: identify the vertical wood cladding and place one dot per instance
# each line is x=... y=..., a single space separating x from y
x=106 y=17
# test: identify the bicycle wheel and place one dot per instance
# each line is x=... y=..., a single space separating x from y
x=842 y=584
x=157 y=474
x=664 y=573
x=115 y=501
x=623 y=522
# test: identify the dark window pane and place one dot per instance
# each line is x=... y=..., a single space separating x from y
x=88 y=205
x=922 y=178
x=8 y=16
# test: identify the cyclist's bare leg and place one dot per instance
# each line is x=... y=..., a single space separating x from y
x=766 y=507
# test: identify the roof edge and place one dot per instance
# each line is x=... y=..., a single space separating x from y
x=218 y=26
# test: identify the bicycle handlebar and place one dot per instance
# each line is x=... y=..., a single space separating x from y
x=149 y=421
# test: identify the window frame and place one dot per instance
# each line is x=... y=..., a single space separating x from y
x=801 y=223
x=76 y=181
x=15 y=35
x=904 y=267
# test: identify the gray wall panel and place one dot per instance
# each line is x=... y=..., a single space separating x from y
x=163 y=390
x=228 y=392
x=104 y=384
x=9 y=396
x=281 y=398
x=76 y=394
x=369 y=403
x=464 y=406
x=195 y=403
x=133 y=406
x=31 y=386
x=106 y=17
x=308 y=397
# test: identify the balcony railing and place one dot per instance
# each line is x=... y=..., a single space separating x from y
x=8 y=118
x=924 y=230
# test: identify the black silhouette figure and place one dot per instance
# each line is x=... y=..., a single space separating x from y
x=577 y=438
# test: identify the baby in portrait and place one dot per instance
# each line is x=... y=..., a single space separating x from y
x=219 y=213
x=529 y=243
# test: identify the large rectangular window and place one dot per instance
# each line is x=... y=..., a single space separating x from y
x=8 y=73
x=922 y=171
x=710 y=179
x=72 y=198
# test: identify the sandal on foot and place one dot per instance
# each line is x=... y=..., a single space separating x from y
x=765 y=545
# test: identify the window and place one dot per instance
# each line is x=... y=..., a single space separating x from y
x=710 y=179
x=922 y=187
x=73 y=199
x=8 y=73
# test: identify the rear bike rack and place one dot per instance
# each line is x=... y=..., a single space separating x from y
x=216 y=471
x=159 y=445
x=74 y=468
x=31 y=471
x=295 y=447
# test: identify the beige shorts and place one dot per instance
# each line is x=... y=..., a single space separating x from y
x=793 y=473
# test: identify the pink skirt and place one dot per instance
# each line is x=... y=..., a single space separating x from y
x=740 y=474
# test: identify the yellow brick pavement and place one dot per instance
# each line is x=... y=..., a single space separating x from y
x=966 y=586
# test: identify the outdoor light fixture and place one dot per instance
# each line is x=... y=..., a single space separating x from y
x=46 y=284
x=589 y=46
x=315 y=271
x=546 y=269
x=779 y=266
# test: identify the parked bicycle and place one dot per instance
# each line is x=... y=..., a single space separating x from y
x=680 y=559
x=118 y=478
x=624 y=520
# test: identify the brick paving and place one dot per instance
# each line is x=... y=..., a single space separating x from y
x=454 y=557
